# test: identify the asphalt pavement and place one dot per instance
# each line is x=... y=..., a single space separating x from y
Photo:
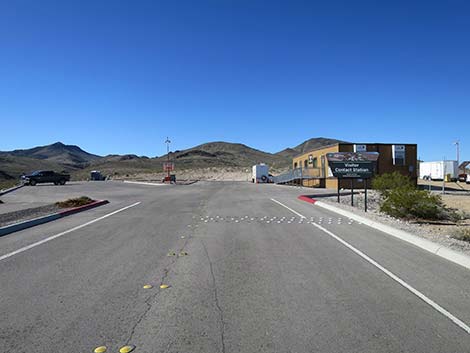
x=249 y=268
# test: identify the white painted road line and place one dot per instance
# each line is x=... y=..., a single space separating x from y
x=290 y=209
x=6 y=256
x=437 y=249
x=397 y=279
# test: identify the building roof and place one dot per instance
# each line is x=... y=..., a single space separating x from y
x=353 y=143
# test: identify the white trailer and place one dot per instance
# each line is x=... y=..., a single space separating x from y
x=438 y=170
x=260 y=173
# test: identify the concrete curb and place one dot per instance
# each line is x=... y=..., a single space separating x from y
x=44 y=219
x=6 y=191
x=436 y=249
x=142 y=183
x=188 y=183
x=307 y=199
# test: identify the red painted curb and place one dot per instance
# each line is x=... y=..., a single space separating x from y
x=306 y=199
x=83 y=208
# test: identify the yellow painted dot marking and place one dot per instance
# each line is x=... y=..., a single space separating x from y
x=100 y=349
x=164 y=286
x=148 y=286
x=126 y=349
x=171 y=254
x=183 y=253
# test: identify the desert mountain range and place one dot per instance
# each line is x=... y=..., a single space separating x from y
x=73 y=159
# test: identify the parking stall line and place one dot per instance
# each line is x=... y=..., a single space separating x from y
x=25 y=248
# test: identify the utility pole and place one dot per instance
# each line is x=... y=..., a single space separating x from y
x=457 y=145
x=168 y=156
x=444 y=176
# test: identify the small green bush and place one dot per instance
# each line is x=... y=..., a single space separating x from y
x=406 y=202
x=401 y=199
x=387 y=182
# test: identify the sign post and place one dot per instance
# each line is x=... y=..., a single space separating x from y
x=352 y=191
x=365 y=195
x=338 y=190
x=353 y=165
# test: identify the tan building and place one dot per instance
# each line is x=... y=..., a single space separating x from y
x=313 y=168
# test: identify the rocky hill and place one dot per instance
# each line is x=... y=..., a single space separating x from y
x=67 y=155
x=61 y=157
x=308 y=145
x=224 y=154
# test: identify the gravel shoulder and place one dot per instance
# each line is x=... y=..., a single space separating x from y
x=27 y=214
x=438 y=233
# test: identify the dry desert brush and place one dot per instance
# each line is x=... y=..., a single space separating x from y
x=401 y=199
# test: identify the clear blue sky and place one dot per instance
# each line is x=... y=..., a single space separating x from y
x=119 y=76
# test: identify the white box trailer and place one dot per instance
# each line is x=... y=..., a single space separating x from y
x=438 y=170
x=260 y=174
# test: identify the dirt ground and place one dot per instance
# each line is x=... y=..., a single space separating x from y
x=459 y=202
x=443 y=234
x=457 y=195
x=450 y=186
x=212 y=173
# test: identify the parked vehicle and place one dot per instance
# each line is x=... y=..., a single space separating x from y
x=45 y=176
x=261 y=174
x=464 y=178
x=96 y=175
x=439 y=170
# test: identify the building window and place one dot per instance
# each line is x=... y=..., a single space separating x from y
x=295 y=165
x=360 y=148
x=398 y=155
x=306 y=163
x=315 y=162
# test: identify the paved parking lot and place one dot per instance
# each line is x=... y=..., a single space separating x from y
x=247 y=268
x=44 y=194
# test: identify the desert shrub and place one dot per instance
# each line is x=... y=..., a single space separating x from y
x=6 y=184
x=462 y=234
x=76 y=202
x=390 y=181
x=401 y=199
x=406 y=202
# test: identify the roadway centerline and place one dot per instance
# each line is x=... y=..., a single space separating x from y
x=390 y=274
x=6 y=256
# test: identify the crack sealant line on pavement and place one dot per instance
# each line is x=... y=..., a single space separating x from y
x=216 y=299
x=6 y=256
x=390 y=274
x=152 y=297
x=148 y=302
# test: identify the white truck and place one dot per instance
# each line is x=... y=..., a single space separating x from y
x=261 y=174
x=438 y=170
